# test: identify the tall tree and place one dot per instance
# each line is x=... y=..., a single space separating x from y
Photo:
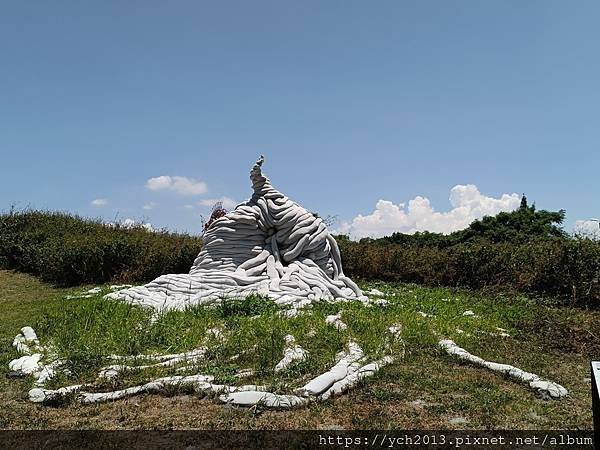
x=523 y=202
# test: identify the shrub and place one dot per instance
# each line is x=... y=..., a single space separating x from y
x=68 y=250
x=564 y=268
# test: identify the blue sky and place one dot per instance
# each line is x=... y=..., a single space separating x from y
x=353 y=103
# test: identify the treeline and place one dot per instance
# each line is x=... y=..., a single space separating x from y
x=68 y=250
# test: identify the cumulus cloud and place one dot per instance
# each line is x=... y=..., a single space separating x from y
x=149 y=206
x=468 y=204
x=180 y=185
x=587 y=228
x=130 y=223
x=228 y=203
x=99 y=202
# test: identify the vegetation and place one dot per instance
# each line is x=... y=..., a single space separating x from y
x=519 y=226
x=566 y=269
x=68 y=250
x=423 y=389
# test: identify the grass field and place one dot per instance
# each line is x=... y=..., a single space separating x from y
x=424 y=388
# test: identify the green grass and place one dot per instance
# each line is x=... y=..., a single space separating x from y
x=555 y=343
x=85 y=331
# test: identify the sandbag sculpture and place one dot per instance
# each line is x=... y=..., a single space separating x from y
x=268 y=245
x=271 y=246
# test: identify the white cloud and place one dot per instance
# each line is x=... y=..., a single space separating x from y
x=188 y=206
x=181 y=185
x=149 y=206
x=228 y=203
x=468 y=204
x=587 y=228
x=130 y=223
x=99 y=202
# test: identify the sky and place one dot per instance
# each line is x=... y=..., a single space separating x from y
x=389 y=115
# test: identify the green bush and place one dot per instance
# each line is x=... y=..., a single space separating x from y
x=564 y=268
x=68 y=250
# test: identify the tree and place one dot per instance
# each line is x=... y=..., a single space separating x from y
x=522 y=225
x=523 y=202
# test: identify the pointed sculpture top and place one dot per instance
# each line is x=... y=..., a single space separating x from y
x=260 y=183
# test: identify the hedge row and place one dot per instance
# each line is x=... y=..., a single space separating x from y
x=565 y=268
x=68 y=250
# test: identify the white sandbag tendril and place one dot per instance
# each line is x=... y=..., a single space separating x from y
x=535 y=382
